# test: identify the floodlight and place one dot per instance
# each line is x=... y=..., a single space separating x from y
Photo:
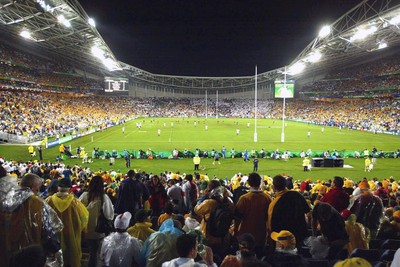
x=64 y=21
x=395 y=20
x=97 y=52
x=314 y=57
x=92 y=22
x=296 y=68
x=325 y=31
x=363 y=33
x=110 y=63
x=382 y=45
x=25 y=34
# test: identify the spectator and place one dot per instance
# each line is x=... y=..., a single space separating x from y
x=286 y=252
x=95 y=200
x=161 y=245
x=337 y=197
x=158 y=195
x=74 y=216
x=368 y=208
x=131 y=194
x=141 y=229
x=355 y=261
x=205 y=209
x=191 y=192
x=175 y=193
x=252 y=212
x=332 y=227
x=358 y=235
x=246 y=253
x=168 y=214
x=287 y=211
x=27 y=220
x=187 y=248
x=383 y=194
x=6 y=183
x=119 y=248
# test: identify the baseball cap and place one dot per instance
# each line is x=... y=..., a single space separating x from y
x=122 y=220
x=353 y=262
x=285 y=238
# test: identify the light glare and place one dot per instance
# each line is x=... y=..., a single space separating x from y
x=363 y=33
x=314 y=57
x=296 y=68
x=92 y=22
x=97 y=52
x=110 y=64
x=325 y=31
x=382 y=45
x=64 y=21
x=25 y=34
x=395 y=20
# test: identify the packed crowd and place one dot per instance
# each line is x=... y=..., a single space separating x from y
x=364 y=114
x=22 y=70
x=362 y=80
x=45 y=114
x=50 y=212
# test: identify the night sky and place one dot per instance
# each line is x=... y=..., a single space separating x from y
x=211 y=38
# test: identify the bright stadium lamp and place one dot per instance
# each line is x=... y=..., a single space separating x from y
x=314 y=57
x=64 y=21
x=97 y=52
x=395 y=20
x=363 y=33
x=92 y=22
x=382 y=45
x=296 y=68
x=25 y=34
x=325 y=31
x=110 y=64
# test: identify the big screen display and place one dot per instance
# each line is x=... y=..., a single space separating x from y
x=283 y=90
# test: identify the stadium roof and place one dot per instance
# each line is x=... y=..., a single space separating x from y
x=359 y=34
x=62 y=28
x=58 y=27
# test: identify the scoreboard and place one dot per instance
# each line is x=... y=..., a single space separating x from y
x=115 y=84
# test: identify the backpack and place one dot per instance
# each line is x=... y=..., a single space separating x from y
x=220 y=220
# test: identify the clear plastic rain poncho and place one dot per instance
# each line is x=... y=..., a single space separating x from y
x=119 y=249
x=27 y=220
x=161 y=246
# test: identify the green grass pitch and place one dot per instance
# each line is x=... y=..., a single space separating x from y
x=222 y=132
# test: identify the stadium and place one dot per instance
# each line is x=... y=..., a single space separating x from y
x=69 y=104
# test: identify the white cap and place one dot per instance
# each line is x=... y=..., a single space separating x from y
x=122 y=220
